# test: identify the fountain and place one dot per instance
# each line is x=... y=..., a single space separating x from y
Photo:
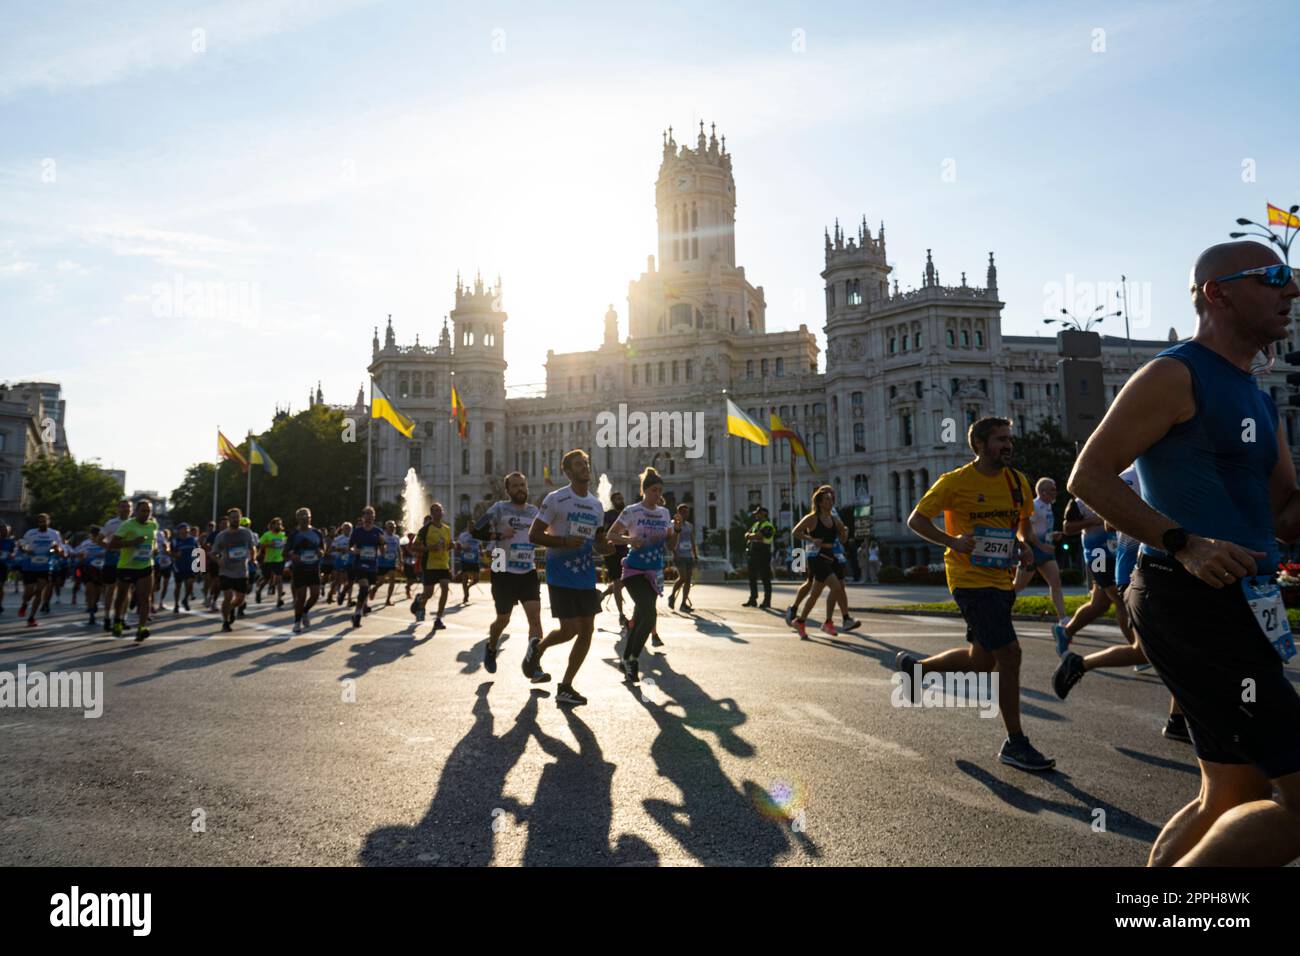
x=605 y=488
x=415 y=506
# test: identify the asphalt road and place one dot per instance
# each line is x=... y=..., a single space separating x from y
x=749 y=747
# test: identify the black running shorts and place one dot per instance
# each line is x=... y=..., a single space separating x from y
x=568 y=603
x=987 y=612
x=1206 y=646
x=511 y=589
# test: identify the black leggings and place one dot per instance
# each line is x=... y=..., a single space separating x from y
x=645 y=598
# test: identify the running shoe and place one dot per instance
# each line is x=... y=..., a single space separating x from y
x=1176 y=729
x=31 y=622
x=750 y=603
x=227 y=626
x=279 y=604
x=1019 y=752
x=688 y=607
x=176 y=609
x=22 y=611
x=356 y=620
x=1068 y=673
x=564 y=694
x=789 y=616
x=530 y=657
x=632 y=669
x=850 y=624
x=829 y=627
x=141 y=633
x=241 y=610
x=802 y=628
x=117 y=628
x=1062 y=639
x=108 y=624
x=297 y=626
x=672 y=599
x=654 y=640
x=1142 y=668
x=438 y=625
x=765 y=606
x=490 y=658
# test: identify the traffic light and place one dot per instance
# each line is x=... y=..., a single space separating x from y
x=1083 y=391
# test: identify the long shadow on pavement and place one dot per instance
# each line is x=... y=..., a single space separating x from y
x=580 y=780
x=208 y=660
x=380 y=651
x=472 y=657
x=1162 y=762
x=297 y=652
x=458 y=826
x=716 y=822
x=1080 y=809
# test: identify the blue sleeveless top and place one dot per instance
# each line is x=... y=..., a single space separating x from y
x=1205 y=473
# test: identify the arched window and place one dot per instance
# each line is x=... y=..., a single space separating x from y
x=965 y=339
x=780 y=367
x=859 y=437
x=952 y=337
x=403 y=386
x=917 y=340
x=979 y=339
x=680 y=316
x=415 y=386
x=749 y=368
x=819 y=446
x=487 y=462
x=860 y=487
x=661 y=373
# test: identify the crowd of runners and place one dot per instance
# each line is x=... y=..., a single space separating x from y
x=1179 y=509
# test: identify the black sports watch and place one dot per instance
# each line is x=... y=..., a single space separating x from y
x=1174 y=540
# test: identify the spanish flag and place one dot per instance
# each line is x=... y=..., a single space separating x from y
x=546 y=476
x=1280 y=217
x=738 y=423
x=458 y=413
x=796 y=443
x=257 y=455
x=381 y=407
x=227 y=450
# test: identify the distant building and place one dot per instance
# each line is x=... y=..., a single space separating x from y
x=31 y=423
x=118 y=475
x=160 y=510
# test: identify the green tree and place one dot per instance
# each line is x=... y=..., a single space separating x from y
x=74 y=494
x=1046 y=453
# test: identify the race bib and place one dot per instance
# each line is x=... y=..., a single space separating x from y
x=164 y=561
x=238 y=554
x=143 y=553
x=97 y=563
x=368 y=553
x=582 y=525
x=40 y=559
x=993 y=547
x=521 y=558
x=308 y=557
x=1265 y=600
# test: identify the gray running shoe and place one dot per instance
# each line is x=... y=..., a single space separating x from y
x=1019 y=752
x=1068 y=673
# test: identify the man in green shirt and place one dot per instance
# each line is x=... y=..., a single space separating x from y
x=759 y=542
x=135 y=540
x=272 y=560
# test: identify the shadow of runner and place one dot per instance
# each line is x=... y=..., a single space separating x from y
x=194 y=663
x=380 y=651
x=716 y=822
x=472 y=657
x=580 y=781
x=1164 y=762
x=1117 y=820
x=457 y=827
x=296 y=654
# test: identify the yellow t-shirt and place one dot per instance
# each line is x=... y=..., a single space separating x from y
x=433 y=560
x=983 y=506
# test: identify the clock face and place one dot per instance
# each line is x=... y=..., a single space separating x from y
x=683 y=183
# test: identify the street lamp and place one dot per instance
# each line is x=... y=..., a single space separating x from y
x=1072 y=321
x=1283 y=242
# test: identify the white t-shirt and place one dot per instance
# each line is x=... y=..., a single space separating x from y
x=686 y=540
x=1042 y=520
x=513 y=524
x=1130 y=477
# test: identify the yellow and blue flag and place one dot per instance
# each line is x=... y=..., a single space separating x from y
x=381 y=407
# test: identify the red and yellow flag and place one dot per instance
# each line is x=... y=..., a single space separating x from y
x=796 y=443
x=458 y=413
x=227 y=450
x=1280 y=217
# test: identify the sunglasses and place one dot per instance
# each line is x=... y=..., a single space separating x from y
x=1275 y=276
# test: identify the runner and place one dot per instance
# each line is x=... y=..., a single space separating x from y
x=135 y=539
x=365 y=545
x=92 y=568
x=1218 y=491
x=58 y=575
x=649 y=532
x=570 y=526
x=211 y=564
x=986 y=507
x=820 y=530
x=184 y=545
x=759 y=537
x=614 y=565
x=304 y=548
x=247 y=523
x=467 y=551
x=163 y=568
x=410 y=562
x=231 y=551
x=75 y=563
x=327 y=563
x=434 y=545
x=271 y=551
x=7 y=560
x=38 y=547
x=506 y=525
x=388 y=559
x=1098 y=548
x=684 y=558
x=341 y=553
x=1044 y=545
x=109 y=571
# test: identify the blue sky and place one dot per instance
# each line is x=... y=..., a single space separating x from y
x=323 y=165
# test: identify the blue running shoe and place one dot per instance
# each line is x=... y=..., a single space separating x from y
x=1062 y=639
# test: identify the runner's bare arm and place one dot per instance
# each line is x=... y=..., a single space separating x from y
x=925 y=528
x=1153 y=401
x=1282 y=489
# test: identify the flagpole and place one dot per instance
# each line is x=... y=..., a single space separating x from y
x=248 y=498
x=726 y=477
x=215 y=472
x=369 y=442
x=451 y=468
x=771 y=494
